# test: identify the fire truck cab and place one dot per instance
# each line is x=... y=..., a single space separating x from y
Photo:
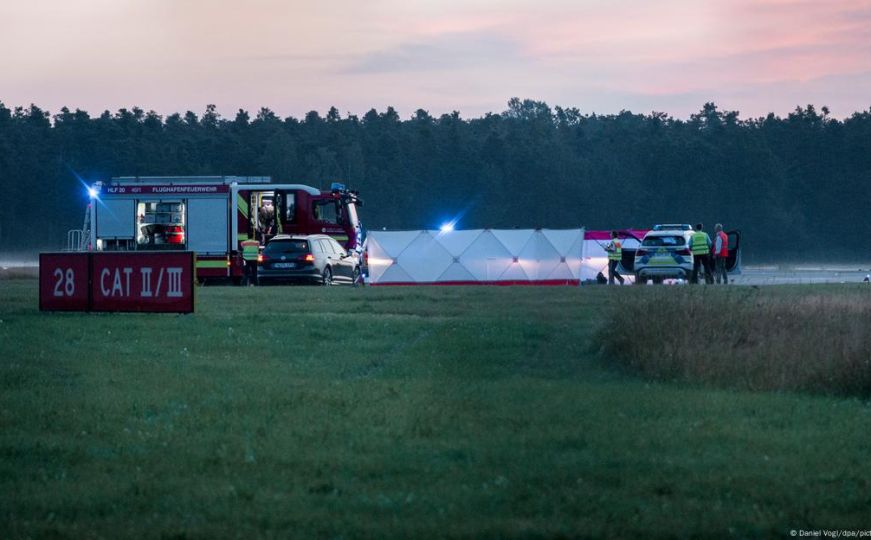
x=211 y=215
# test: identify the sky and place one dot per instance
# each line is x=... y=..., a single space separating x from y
x=472 y=56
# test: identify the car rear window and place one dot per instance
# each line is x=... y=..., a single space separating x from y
x=664 y=241
x=286 y=247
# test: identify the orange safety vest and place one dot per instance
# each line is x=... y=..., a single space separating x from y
x=724 y=245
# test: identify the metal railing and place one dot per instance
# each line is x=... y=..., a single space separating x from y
x=76 y=240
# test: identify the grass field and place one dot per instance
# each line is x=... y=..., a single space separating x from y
x=791 y=338
x=397 y=412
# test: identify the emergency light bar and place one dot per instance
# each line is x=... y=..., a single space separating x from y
x=673 y=227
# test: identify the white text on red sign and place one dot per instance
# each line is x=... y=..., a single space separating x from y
x=117 y=283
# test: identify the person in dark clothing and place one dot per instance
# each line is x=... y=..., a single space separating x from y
x=266 y=220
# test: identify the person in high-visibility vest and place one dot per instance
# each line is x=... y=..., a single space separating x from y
x=700 y=246
x=721 y=253
x=250 y=251
x=615 y=253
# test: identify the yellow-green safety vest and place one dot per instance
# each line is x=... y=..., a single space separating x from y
x=617 y=253
x=250 y=249
x=699 y=243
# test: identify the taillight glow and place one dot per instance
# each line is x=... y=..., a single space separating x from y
x=260 y=258
x=309 y=257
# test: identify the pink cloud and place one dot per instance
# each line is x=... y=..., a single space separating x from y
x=470 y=55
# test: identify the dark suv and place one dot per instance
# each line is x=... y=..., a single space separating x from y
x=314 y=258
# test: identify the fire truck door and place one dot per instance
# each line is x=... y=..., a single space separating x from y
x=285 y=210
x=262 y=215
x=251 y=222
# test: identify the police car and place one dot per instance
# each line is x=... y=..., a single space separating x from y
x=665 y=253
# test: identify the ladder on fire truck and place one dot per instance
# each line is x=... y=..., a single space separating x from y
x=78 y=239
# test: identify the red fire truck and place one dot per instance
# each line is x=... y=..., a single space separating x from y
x=211 y=215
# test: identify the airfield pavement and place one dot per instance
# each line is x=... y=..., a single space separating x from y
x=802 y=274
x=774 y=274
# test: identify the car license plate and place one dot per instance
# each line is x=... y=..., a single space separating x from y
x=284 y=265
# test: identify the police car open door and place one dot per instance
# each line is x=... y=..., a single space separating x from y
x=630 y=247
x=733 y=261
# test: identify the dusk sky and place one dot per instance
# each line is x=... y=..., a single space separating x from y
x=471 y=55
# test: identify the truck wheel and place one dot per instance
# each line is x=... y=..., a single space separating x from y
x=658 y=281
x=327 y=278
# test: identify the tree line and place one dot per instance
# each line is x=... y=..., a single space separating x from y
x=796 y=186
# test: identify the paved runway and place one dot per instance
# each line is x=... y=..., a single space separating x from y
x=801 y=274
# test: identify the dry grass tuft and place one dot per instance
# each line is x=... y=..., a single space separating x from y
x=745 y=338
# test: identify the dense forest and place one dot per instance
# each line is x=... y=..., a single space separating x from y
x=797 y=187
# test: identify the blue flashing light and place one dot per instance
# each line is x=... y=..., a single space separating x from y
x=337 y=186
x=447 y=227
x=93 y=192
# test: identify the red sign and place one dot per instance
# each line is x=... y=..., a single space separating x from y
x=142 y=282
x=119 y=281
x=63 y=281
x=166 y=189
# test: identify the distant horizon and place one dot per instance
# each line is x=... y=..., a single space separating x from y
x=407 y=115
